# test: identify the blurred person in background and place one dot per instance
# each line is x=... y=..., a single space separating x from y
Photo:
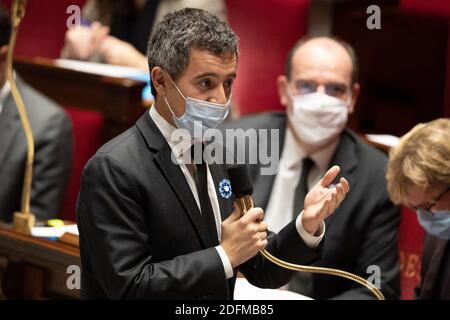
x=319 y=91
x=418 y=176
x=52 y=132
x=117 y=31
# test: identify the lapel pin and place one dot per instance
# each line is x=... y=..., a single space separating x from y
x=225 y=189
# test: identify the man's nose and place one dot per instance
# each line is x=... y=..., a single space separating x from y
x=321 y=88
x=219 y=96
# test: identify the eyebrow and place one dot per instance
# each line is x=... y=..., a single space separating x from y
x=214 y=75
x=331 y=82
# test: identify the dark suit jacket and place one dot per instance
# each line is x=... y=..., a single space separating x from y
x=435 y=284
x=52 y=132
x=362 y=231
x=142 y=235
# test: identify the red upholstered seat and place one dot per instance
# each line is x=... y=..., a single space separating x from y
x=87 y=135
x=267 y=30
x=410 y=247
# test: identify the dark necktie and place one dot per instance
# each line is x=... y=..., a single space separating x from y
x=201 y=179
x=302 y=282
x=302 y=187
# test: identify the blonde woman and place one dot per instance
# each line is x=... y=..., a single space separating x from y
x=418 y=176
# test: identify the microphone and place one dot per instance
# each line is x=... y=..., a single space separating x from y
x=242 y=186
x=24 y=220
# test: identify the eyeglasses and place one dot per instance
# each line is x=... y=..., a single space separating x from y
x=336 y=90
x=431 y=204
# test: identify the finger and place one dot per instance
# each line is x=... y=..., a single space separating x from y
x=262 y=244
x=101 y=34
x=344 y=184
x=262 y=226
x=254 y=214
x=340 y=194
x=329 y=176
x=326 y=208
x=334 y=201
x=261 y=236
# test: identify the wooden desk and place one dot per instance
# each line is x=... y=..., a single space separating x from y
x=36 y=268
x=118 y=99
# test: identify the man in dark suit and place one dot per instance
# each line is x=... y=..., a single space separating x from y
x=155 y=227
x=418 y=177
x=319 y=90
x=52 y=132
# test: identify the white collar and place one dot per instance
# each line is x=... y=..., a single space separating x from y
x=293 y=153
x=168 y=130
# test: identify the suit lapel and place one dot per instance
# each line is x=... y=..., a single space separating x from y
x=264 y=185
x=345 y=158
x=174 y=176
x=218 y=174
x=10 y=127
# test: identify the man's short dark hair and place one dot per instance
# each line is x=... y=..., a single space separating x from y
x=5 y=26
x=348 y=48
x=173 y=38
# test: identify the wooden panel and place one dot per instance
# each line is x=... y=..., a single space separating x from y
x=118 y=99
x=37 y=268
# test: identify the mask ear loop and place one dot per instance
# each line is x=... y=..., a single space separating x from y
x=176 y=87
x=170 y=108
x=165 y=99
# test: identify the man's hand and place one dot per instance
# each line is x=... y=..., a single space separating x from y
x=320 y=202
x=243 y=236
x=81 y=42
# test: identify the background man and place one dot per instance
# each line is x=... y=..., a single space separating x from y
x=319 y=91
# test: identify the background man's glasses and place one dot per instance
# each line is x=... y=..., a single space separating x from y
x=336 y=90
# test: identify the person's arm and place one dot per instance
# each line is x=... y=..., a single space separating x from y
x=51 y=167
x=290 y=245
x=379 y=249
x=118 y=52
x=114 y=234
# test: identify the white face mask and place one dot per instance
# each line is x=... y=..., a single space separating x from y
x=200 y=116
x=318 y=118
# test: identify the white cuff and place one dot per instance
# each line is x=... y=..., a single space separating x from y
x=311 y=241
x=226 y=262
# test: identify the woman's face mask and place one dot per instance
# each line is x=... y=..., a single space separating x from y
x=435 y=223
x=199 y=115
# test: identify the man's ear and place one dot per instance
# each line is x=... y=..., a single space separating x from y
x=355 y=95
x=158 y=78
x=282 y=83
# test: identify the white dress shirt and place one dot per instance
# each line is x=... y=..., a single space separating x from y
x=4 y=92
x=281 y=201
x=167 y=129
